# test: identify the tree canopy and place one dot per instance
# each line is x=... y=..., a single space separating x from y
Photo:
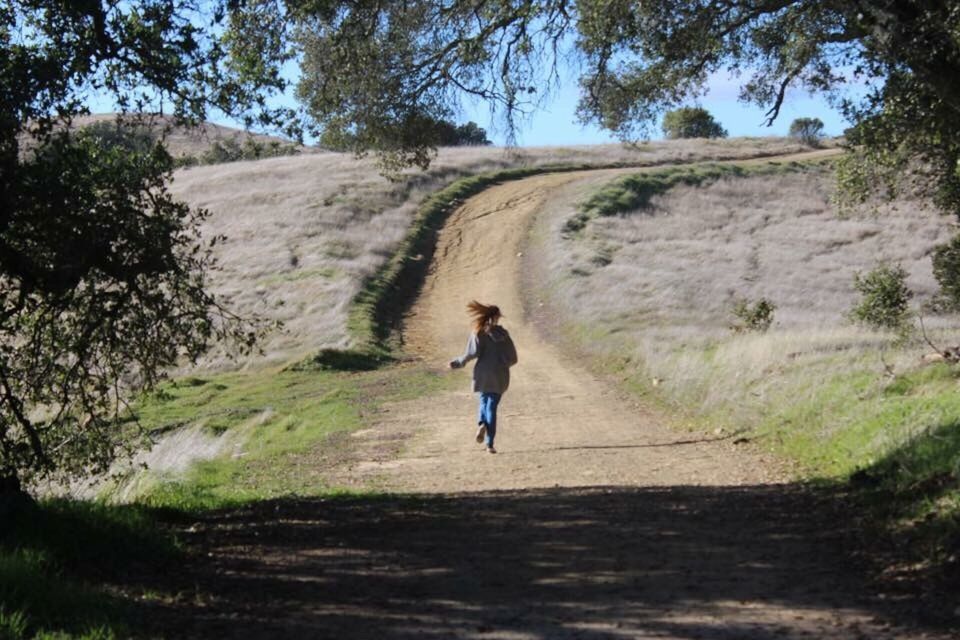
x=465 y=135
x=691 y=122
x=102 y=273
x=383 y=70
x=807 y=130
x=434 y=134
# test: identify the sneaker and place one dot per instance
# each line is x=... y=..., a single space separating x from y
x=490 y=449
x=481 y=432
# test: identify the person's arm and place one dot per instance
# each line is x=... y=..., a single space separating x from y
x=511 y=352
x=471 y=352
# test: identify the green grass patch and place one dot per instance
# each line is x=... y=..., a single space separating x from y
x=297 y=275
x=634 y=192
x=56 y=560
x=69 y=569
x=271 y=414
x=283 y=425
x=848 y=422
x=914 y=492
x=893 y=442
x=897 y=444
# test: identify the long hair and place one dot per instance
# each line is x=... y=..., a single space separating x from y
x=485 y=316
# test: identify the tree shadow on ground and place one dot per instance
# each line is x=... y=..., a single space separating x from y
x=597 y=563
x=911 y=497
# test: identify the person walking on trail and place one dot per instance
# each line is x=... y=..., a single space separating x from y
x=495 y=353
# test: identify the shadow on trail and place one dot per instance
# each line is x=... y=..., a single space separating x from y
x=585 y=447
x=653 y=445
x=597 y=563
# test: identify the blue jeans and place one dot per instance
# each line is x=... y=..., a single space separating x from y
x=488 y=414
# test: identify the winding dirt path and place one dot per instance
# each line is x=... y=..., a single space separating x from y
x=595 y=520
x=559 y=425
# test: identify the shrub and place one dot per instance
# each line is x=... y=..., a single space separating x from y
x=132 y=138
x=230 y=150
x=946 y=269
x=754 y=317
x=435 y=132
x=185 y=161
x=807 y=130
x=884 y=298
x=467 y=135
x=691 y=122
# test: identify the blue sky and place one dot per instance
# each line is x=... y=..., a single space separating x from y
x=556 y=123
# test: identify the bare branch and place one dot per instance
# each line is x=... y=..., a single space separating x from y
x=926 y=338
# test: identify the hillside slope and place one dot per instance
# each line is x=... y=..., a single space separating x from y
x=183 y=141
x=304 y=232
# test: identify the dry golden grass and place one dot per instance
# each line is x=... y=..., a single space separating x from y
x=658 y=285
x=304 y=231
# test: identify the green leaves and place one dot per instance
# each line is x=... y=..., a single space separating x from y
x=691 y=122
x=103 y=288
x=884 y=298
x=102 y=273
x=807 y=130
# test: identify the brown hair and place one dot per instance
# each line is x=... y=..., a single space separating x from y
x=485 y=316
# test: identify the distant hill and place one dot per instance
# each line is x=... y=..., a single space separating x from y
x=183 y=141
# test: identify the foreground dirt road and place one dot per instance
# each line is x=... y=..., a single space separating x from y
x=594 y=521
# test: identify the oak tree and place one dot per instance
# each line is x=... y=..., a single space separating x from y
x=384 y=71
x=103 y=275
x=806 y=130
x=691 y=122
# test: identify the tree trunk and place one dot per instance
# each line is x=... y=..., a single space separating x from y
x=14 y=502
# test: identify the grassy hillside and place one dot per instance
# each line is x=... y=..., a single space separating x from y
x=648 y=287
x=304 y=233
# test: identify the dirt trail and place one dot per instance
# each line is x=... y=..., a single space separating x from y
x=558 y=425
x=594 y=521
